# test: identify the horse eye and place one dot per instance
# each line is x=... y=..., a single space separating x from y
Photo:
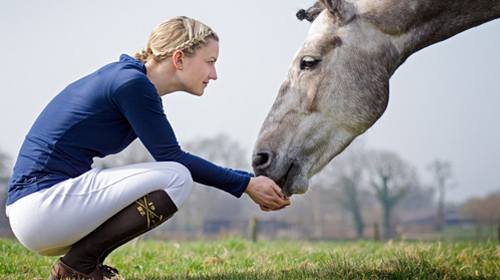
x=308 y=62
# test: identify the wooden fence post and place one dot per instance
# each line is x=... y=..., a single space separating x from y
x=253 y=228
x=499 y=233
x=376 y=232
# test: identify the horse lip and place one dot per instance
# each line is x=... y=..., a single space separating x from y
x=281 y=183
x=285 y=182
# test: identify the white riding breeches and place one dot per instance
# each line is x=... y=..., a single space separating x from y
x=51 y=220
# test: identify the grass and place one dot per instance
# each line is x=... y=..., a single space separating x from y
x=235 y=258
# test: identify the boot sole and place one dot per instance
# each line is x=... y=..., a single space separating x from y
x=53 y=278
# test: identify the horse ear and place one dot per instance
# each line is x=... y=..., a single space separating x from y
x=342 y=9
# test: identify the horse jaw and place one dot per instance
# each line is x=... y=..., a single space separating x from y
x=318 y=112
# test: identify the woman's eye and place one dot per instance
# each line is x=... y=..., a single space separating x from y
x=308 y=62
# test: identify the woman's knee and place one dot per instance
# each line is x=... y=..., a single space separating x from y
x=182 y=174
x=181 y=185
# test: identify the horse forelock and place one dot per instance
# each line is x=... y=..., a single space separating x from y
x=340 y=11
x=312 y=13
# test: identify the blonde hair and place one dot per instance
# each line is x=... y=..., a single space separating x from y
x=178 y=33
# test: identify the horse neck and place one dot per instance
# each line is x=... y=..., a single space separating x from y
x=416 y=24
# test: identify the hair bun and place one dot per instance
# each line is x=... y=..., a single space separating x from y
x=142 y=55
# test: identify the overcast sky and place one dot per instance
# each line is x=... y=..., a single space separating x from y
x=444 y=100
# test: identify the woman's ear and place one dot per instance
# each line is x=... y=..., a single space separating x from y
x=177 y=59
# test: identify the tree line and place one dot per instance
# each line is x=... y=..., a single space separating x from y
x=359 y=176
x=361 y=193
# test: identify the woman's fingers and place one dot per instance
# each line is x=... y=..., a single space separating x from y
x=267 y=194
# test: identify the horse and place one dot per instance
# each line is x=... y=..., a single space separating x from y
x=338 y=83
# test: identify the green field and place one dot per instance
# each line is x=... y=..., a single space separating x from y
x=234 y=258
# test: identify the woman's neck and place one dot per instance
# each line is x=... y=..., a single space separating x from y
x=162 y=75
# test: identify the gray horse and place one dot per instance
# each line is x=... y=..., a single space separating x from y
x=338 y=84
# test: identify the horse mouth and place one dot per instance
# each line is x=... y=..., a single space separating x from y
x=281 y=183
x=286 y=183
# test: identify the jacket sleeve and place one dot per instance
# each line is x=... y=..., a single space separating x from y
x=141 y=105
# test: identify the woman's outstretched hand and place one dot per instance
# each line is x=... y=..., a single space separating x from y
x=267 y=194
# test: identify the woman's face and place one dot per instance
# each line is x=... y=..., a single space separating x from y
x=199 y=69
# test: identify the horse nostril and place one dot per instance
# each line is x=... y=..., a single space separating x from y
x=262 y=160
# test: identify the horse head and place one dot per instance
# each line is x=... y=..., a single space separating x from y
x=335 y=89
x=338 y=83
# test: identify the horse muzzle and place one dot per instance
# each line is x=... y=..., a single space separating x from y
x=287 y=173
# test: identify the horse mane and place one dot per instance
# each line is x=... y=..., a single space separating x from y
x=311 y=13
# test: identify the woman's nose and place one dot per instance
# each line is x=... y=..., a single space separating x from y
x=213 y=74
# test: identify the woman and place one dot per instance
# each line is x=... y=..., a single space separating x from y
x=58 y=205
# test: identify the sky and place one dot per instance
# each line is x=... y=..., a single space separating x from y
x=444 y=100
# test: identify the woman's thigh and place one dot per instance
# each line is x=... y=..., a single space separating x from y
x=51 y=220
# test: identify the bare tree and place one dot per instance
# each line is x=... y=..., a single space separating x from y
x=345 y=175
x=391 y=178
x=350 y=201
x=5 y=174
x=221 y=150
x=441 y=171
x=5 y=171
x=208 y=204
x=417 y=198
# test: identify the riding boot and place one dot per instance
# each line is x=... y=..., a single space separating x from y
x=134 y=220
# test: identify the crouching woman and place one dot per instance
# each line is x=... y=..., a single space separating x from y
x=59 y=205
